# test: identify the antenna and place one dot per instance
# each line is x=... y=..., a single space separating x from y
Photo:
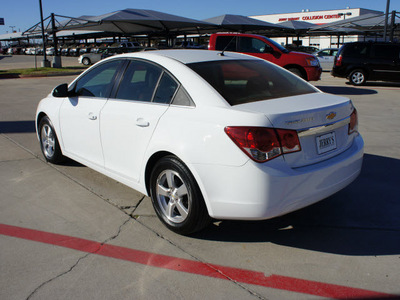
x=222 y=53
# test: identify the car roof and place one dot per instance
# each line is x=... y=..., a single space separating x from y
x=187 y=56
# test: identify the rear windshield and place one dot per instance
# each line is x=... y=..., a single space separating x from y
x=246 y=81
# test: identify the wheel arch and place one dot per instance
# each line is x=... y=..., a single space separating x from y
x=155 y=157
x=298 y=67
x=150 y=165
x=39 y=117
x=353 y=68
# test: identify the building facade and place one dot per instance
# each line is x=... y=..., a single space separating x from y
x=318 y=18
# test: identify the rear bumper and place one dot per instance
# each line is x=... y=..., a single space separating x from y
x=262 y=191
x=339 y=73
x=313 y=73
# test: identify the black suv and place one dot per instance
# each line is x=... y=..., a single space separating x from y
x=362 y=61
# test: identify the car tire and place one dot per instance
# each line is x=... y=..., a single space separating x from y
x=49 y=143
x=176 y=197
x=86 y=61
x=297 y=72
x=358 y=77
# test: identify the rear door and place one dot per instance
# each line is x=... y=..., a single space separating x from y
x=384 y=62
x=130 y=118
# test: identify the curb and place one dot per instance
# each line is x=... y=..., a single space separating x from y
x=9 y=76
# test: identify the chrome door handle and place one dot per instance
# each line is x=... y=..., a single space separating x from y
x=91 y=116
x=142 y=122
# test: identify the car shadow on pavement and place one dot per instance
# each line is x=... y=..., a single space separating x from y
x=362 y=219
x=380 y=84
x=344 y=90
x=17 y=127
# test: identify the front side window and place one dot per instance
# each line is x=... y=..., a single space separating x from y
x=252 y=45
x=99 y=81
x=245 y=81
x=139 y=81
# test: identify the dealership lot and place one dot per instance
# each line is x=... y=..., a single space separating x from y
x=68 y=232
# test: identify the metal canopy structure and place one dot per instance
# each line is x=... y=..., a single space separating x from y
x=133 y=21
x=243 y=23
x=368 y=23
x=298 y=25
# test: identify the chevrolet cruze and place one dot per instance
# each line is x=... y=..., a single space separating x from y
x=206 y=134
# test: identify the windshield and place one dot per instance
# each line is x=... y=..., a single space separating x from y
x=246 y=81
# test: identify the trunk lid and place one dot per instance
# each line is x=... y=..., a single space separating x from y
x=321 y=121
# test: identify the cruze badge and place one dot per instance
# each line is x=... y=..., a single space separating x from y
x=331 y=115
x=299 y=121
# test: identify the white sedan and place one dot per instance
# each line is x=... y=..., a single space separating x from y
x=326 y=58
x=206 y=134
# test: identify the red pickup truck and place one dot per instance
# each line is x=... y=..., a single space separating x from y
x=302 y=64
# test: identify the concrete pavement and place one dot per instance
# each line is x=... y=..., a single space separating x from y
x=350 y=242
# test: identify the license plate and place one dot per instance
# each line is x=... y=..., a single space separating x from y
x=326 y=142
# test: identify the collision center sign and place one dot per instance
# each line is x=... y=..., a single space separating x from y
x=311 y=18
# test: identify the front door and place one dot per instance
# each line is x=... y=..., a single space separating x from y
x=79 y=115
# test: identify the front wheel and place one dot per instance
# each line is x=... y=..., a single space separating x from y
x=48 y=142
x=176 y=197
x=297 y=72
x=86 y=61
x=357 y=77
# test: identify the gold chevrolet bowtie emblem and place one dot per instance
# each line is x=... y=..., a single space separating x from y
x=331 y=115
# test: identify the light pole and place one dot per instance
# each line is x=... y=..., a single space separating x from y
x=45 y=62
x=344 y=18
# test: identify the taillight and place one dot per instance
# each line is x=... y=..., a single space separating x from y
x=353 y=125
x=262 y=144
x=338 y=60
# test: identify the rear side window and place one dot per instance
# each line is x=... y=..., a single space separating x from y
x=227 y=43
x=139 y=81
x=356 y=50
x=166 y=89
x=385 y=51
x=246 y=81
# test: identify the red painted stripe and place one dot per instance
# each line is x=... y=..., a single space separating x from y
x=193 y=267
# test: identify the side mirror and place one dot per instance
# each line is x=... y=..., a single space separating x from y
x=269 y=50
x=61 y=91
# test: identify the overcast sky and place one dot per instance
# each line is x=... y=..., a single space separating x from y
x=25 y=13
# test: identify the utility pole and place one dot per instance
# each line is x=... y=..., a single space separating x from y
x=386 y=20
x=45 y=62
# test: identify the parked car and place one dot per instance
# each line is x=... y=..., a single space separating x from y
x=50 y=51
x=74 y=51
x=130 y=45
x=363 y=61
x=188 y=45
x=90 y=58
x=301 y=48
x=205 y=135
x=326 y=58
x=302 y=64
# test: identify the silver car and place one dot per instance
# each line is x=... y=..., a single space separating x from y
x=326 y=58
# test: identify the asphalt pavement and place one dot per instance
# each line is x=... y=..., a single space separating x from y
x=68 y=232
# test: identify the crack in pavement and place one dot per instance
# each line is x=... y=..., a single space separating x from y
x=79 y=260
x=251 y=292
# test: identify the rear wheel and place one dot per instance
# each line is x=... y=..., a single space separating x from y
x=48 y=142
x=357 y=77
x=176 y=197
